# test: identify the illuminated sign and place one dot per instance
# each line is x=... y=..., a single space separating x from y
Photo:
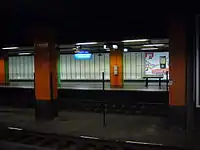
x=82 y=55
x=162 y=62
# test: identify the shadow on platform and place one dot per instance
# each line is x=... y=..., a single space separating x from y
x=118 y=127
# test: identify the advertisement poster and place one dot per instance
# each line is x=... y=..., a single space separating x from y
x=156 y=63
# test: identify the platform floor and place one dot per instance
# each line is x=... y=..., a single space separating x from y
x=135 y=86
x=90 y=125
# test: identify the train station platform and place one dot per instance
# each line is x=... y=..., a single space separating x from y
x=134 y=98
x=129 y=128
x=97 y=85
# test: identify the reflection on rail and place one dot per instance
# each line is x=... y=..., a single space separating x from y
x=17 y=138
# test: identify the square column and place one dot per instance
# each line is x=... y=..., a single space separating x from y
x=178 y=70
x=46 y=80
x=4 y=78
x=116 y=68
x=177 y=66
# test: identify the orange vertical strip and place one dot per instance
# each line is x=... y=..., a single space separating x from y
x=177 y=51
x=42 y=73
x=45 y=71
x=2 y=71
x=116 y=59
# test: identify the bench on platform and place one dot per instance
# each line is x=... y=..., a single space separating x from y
x=153 y=77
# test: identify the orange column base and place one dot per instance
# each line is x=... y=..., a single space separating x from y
x=116 y=86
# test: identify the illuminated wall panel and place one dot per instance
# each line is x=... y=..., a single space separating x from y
x=135 y=63
x=21 y=68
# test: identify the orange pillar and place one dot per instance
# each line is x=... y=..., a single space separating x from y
x=116 y=68
x=2 y=71
x=45 y=77
x=177 y=70
x=177 y=51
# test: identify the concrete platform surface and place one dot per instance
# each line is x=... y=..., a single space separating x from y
x=118 y=127
x=129 y=86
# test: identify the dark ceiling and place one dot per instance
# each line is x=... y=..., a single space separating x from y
x=75 y=21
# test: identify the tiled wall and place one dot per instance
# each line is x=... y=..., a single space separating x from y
x=71 y=69
x=134 y=65
x=21 y=67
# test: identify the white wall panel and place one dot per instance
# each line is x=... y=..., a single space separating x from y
x=33 y=69
x=102 y=64
x=82 y=69
x=78 y=69
x=107 y=66
x=18 y=68
x=133 y=65
x=63 y=68
x=26 y=67
x=68 y=67
x=21 y=67
x=139 y=65
x=128 y=67
x=97 y=67
x=73 y=67
x=29 y=67
x=10 y=68
x=22 y=70
x=92 y=66
x=143 y=64
x=87 y=69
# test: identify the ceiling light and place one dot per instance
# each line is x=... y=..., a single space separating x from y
x=10 y=48
x=125 y=50
x=87 y=43
x=24 y=53
x=105 y=47
x=137 y=40
x=115 y=47
x=149 y=45
x=151 y=48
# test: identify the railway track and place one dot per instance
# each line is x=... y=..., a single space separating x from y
x=15 y=138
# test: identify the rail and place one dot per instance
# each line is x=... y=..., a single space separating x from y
x=17 y=138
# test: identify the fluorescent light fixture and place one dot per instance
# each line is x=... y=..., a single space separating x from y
x=14 y=128
x=10 y=48
x=151 y=45
x=24 y=53
x=136 y=40
x=106 y=48
x=87 y=43
x=115 y=46
x=150 y=48
x=89 y=137
x=143 y=143
x=83 y=56
x=125 y=50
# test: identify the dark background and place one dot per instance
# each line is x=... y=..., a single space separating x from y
x=74 y=21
